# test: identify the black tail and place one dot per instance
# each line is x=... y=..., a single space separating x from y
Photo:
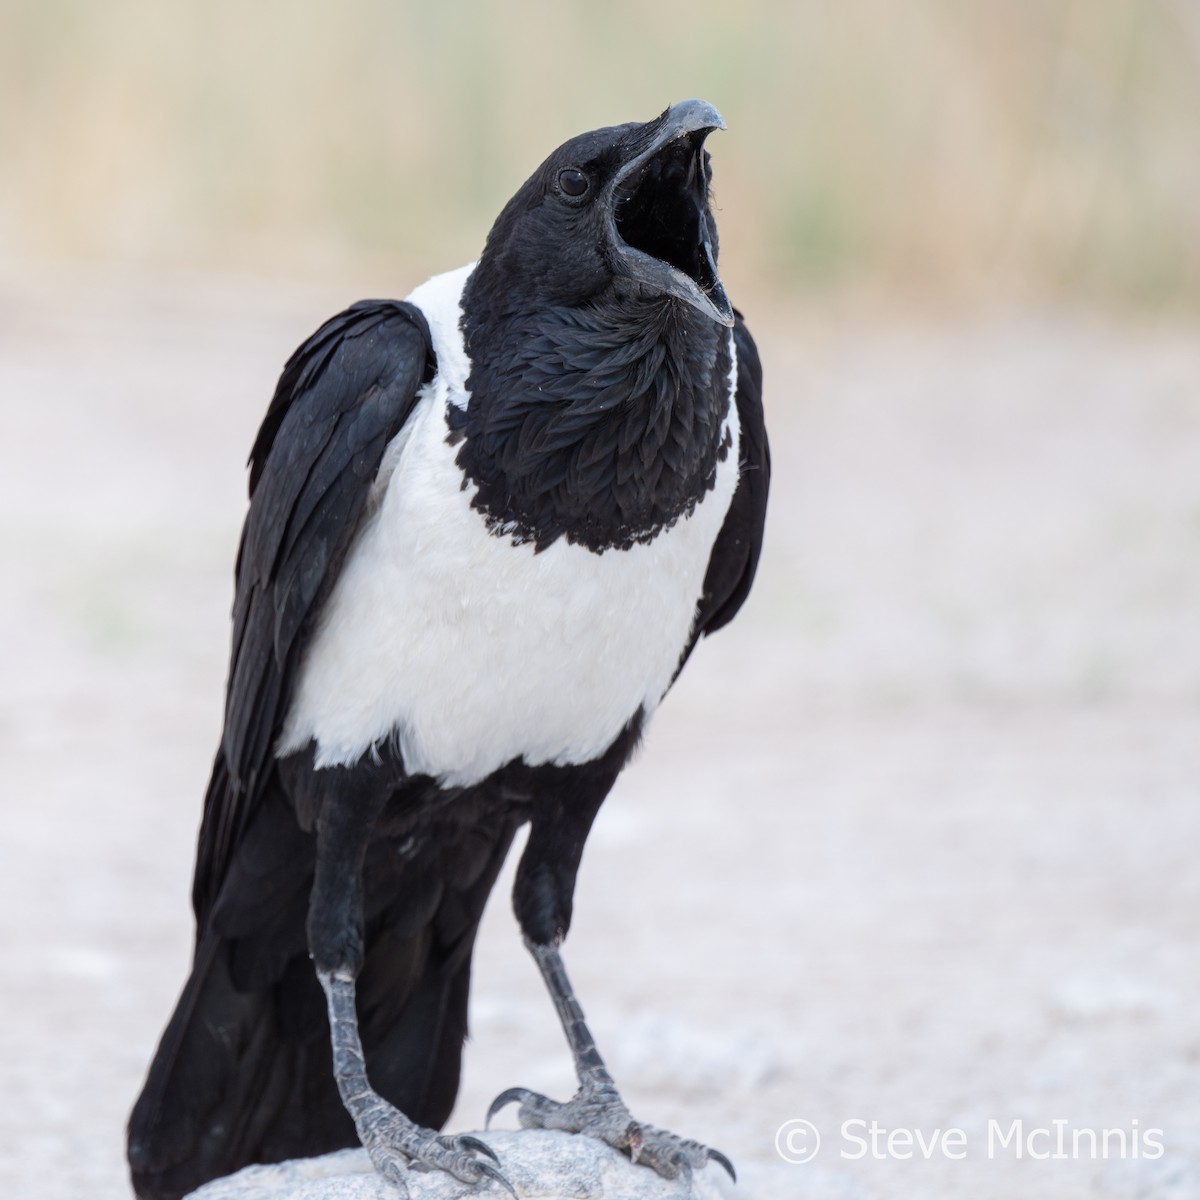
x=243 y=1072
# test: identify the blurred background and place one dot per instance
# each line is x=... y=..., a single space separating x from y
x=915 y=840
x=1031 y=148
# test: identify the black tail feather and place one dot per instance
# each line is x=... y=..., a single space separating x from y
x=239 y=1077
x=243 y=1073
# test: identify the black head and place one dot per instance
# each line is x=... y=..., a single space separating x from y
x=615 y=213
x=595 y=325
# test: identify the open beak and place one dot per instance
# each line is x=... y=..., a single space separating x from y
x=658 y=213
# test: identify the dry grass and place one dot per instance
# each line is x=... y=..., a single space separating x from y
x=941 y=148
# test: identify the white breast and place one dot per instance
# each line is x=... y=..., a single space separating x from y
x=471 y=651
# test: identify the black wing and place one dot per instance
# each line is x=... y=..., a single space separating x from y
x=735 y=553
x=342 y=397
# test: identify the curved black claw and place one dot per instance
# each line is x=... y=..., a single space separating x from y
x=514 y=1095
x=717 y=1157
x=491 y=1172
x=470 y=1169
x=464 y=1141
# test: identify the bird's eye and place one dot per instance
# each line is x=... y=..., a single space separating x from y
x=572 y=182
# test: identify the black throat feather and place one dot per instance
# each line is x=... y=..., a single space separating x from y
x=603 y=424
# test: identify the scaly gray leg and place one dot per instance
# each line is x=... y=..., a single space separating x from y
x=390 y=1138
x=597 y=1108
x=348 y=801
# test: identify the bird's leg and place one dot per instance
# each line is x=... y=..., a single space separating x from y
x=542 y=899
x=597 y=1108
x=335 y=936
x=390 y=1138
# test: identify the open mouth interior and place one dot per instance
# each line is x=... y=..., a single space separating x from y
x=660 y=209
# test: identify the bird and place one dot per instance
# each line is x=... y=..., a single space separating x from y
x=487 y=526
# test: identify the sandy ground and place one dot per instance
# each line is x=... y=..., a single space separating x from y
x=914 y=843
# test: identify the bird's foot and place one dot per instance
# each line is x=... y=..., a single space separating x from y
x=598 y=1111
x=393 y=1141
x=395 y=1145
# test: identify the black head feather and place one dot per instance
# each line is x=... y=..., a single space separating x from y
x=595 y=323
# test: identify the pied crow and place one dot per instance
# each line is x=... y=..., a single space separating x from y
x=487 y=526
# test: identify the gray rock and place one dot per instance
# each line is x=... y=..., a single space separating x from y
x=540 y=1164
